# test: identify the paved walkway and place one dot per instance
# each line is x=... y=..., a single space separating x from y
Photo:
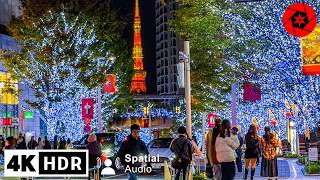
x=289 y=169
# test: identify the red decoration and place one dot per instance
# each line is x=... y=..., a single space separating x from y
x=110 y=85
x=251 y=92
x=288 y=114
x=87 y=108
x=6 y=121
x=299 y=19
x=211 y=118
x=274 y=123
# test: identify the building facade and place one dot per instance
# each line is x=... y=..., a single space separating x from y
x=167 y=48
x=13 y=103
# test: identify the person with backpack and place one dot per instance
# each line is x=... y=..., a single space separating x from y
x=183 y=150
x=239 y=149
x=226 y=144
x=211 y=150
x=269 y=164
x=252 y=151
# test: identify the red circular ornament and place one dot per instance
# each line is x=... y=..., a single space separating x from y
x=299 y=19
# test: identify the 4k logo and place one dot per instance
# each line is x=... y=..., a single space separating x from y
x=46 y=163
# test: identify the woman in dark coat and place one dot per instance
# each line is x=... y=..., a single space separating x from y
x=94 y=148
x=252 y=150
x=269 y=164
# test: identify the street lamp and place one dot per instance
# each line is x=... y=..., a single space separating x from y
x=185 y=56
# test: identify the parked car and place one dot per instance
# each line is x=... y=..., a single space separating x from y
x=109 y=144
x=160 y=147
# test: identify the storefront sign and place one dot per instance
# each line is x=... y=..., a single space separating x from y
x=28 y=115
x=313 y=154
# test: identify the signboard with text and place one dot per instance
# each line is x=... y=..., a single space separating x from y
x=313 y=154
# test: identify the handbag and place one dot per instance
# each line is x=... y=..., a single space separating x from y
x=178 y=162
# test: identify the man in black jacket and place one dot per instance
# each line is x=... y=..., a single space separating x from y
x=133 y=146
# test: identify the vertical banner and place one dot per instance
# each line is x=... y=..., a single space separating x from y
x=87 y=108
x=251 y=92
x=211 y=118
x=310 y=46
x=110 y=85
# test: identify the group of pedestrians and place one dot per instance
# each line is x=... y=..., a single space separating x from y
x=20 y=143
x=224 y=147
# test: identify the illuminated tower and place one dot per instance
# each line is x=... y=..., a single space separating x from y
x=138 y=84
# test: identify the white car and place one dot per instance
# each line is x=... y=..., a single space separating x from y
x=160 y=147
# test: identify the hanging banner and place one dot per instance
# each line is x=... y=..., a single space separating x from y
x=211 y=118
x=110 y=85
x=87 y=108
x=251 y=92
x=310 y=46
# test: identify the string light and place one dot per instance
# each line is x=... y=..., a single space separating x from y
x=279 y=54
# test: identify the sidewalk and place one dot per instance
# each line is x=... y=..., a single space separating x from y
x=288 y=170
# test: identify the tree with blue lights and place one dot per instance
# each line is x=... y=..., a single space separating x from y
x=278 y=54
x=64 y=59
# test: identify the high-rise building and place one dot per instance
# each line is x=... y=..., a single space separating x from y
x=167 y=48
x=138 y=84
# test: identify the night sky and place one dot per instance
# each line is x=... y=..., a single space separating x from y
x=125 y=9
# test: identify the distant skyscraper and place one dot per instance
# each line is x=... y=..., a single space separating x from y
x=167 y=48
x=8 y=8
x=138 y=84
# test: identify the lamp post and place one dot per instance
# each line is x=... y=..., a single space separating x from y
x=187 y=88
x=185 y=57
x=147 y=112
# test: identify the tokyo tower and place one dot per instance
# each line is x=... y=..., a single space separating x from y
x=138 y=85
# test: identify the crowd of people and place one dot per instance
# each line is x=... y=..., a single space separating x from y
x=20 y=143
x=225 y=147
x=224 y=150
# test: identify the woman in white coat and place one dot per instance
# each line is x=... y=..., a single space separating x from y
x=226 y=144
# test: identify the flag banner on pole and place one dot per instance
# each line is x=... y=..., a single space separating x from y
x=87 y=108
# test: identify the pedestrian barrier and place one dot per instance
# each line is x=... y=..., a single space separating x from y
x=95 y=170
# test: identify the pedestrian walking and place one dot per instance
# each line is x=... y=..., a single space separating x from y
x=211 y=150
x=94 y=148
x=55 y=142
x=252 y=151
x=32 y=144
x=69 y=145
x=135 y=147
x=226 y=144
x=46 y=143
x=183 y=150
x=40 y=144
x=21 y=143
x=62 y=143
x=9 y=144
x=269 y=164
x=239 y=149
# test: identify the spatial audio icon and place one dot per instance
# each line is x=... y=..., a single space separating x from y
x=108 y=170
x=299 y=19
